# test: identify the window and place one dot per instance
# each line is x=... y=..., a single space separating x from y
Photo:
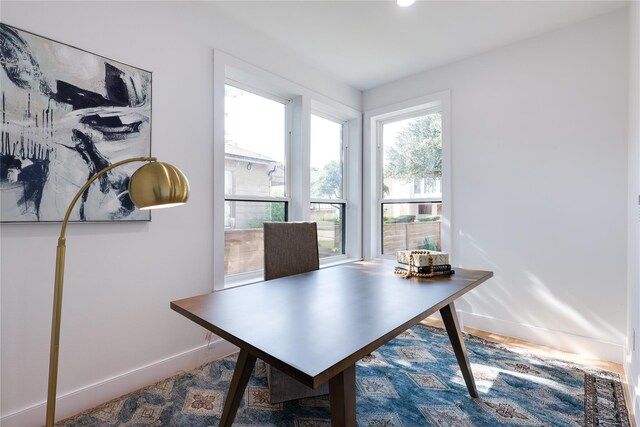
x=411 y=152
x=408 y=177
x=327 y=184
x=281 y=152
x=255 y=166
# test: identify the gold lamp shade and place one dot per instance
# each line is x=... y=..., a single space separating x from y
x=158 y=185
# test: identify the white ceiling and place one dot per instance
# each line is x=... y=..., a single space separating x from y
x=369 y=43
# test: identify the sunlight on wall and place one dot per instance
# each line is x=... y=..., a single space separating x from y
x=570 y=312
x=545 y=299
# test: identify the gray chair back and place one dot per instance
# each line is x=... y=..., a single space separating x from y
x=290 y=248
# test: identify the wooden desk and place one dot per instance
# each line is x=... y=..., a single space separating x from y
x=315 y=326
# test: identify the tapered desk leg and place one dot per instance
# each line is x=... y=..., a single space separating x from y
x=241 y=375
x=342 y=395
x=450 y=320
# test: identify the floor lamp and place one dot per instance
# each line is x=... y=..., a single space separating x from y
x=153 y=185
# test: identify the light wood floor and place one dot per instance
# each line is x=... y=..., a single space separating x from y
x=547 y=351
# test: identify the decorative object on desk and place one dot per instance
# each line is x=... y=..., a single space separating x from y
x=153 y=185
x=423 y=258
x=445 y=268
x=442 y=270
x=407 y=382
x=67 y=114
x=423 y=264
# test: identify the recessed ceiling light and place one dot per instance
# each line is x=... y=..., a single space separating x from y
x=405 y=3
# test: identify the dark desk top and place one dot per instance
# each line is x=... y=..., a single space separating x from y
x=314 y=325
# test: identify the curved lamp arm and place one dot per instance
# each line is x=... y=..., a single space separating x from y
x=182 y=185
x=91 y=180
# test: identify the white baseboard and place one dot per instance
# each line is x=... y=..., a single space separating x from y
x=94 y=394
x=633 y=387
x=585 y=346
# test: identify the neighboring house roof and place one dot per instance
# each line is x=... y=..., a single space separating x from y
x=237 y=153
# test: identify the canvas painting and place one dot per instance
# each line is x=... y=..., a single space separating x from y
x=66 y=115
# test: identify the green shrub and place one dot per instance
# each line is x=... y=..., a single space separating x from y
x=428 y=244
x=406 y=218
x=429 y=218
x=399 y=219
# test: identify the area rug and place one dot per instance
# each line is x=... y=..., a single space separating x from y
x=414 y=380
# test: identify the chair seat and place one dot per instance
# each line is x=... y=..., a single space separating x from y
x=283 y=388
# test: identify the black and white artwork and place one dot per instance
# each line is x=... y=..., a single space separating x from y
x=66 y=115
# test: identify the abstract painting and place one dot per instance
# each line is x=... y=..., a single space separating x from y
x=66 y=115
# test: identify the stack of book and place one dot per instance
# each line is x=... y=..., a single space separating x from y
x=427 y=263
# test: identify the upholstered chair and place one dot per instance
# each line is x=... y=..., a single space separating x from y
x=290 y=248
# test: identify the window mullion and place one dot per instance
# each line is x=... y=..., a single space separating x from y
x=300 y=158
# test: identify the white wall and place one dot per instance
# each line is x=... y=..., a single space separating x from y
x=632 y=364
x=539 y=196
x=118 y=332
x=539 y=153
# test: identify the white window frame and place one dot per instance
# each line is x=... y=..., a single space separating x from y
x=287 y=145
x=303 y=101
x=287 y=148
x=345 y=176
x=372 y=166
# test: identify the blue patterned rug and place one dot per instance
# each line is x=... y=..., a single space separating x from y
x=414 y=380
